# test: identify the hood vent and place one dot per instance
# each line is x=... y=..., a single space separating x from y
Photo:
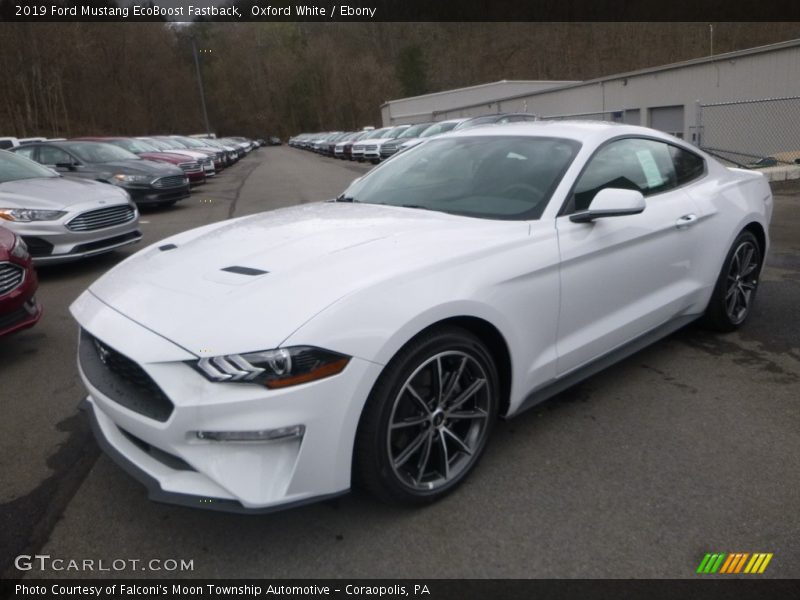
x=166 y=247
x=245 y=271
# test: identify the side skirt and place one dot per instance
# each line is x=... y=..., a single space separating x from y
x=564 y=382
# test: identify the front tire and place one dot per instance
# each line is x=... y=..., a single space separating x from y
x=428 y=418
x=736 y=286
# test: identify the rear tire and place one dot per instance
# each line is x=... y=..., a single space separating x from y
x=735 y=290
x=428 y=419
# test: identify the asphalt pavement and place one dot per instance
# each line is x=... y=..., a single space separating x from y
x=690 y=446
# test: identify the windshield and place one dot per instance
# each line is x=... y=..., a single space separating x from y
x=190 y=143
x=135 y=146
x=13 y=168
x=173 y=143
x=438 y=128
x=413 y=131
x=493 y=177
x=393 y=133
x=96 y=152
x=478 y=121
x=384 y=133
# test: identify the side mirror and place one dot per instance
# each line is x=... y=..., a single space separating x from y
x=611 y=202
x=66 y=165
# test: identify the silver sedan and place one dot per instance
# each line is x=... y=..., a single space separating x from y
x=63 y=219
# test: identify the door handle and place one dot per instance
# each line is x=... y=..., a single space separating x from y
x=685 y=221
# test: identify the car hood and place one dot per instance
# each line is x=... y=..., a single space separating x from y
x=247 y=284
x=57 y=193
x=174 y=158
x=140 y=167
x=192 y=153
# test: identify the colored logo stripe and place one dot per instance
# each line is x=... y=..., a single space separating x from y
x=721 y=562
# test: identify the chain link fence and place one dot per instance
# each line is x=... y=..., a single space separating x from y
x=751 y=133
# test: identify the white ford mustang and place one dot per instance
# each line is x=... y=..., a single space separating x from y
x=277 y=358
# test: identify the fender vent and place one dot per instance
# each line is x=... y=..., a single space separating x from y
x=166 y=247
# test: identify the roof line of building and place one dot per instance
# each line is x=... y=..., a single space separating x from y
x=645 y=71
x=481 y=85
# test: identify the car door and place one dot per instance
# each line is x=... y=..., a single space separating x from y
x=626 y=275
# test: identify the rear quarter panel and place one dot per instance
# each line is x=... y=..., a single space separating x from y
x=728 y=200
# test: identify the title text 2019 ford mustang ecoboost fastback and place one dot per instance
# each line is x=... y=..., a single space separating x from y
x=277 y=358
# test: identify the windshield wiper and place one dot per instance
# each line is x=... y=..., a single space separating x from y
x=417 y=206
x=344 y=198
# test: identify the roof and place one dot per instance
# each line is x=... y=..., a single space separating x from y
x=482 y=85
x=584 y=131
x=658 y=69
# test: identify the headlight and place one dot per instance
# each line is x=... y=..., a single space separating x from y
x=20 y=249
x=121 y=179
x=278 y=368
x=26 y=215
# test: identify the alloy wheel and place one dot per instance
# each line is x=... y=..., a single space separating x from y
x=439 y=421
x=741 y=281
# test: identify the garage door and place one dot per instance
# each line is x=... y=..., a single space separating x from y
x=668 y=119
x=632 y=117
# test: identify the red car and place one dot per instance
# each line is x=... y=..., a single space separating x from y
x=193 y=169
x=18 y=282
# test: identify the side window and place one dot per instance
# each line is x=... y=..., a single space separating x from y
x=50 y=155
x=26 y=151
x=688 y=165
x=631 y=164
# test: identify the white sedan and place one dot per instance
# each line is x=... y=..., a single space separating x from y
x=282 y=357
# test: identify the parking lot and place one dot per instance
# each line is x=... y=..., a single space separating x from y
x=688 y=447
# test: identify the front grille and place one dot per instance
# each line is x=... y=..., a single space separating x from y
x=190 y=166
x=102 y=217
x=170 y=181
x=11 y=277
x=370 y=147
x=121 y=379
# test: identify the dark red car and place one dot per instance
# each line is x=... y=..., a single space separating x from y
x=193 y=169
x=18 y=282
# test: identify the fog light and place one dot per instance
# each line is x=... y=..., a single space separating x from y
x=263 y=435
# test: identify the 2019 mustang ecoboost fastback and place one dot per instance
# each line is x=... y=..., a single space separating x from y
x=277 y=358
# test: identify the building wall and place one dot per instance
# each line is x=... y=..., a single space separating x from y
x=418 y=109
x=768 y=72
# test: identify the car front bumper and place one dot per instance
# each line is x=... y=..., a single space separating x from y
x=152 y=195
x=166 y=454
x=53 y=242
x=19 y=308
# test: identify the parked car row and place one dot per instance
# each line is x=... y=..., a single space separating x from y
x=375 y=145
x=66 y=199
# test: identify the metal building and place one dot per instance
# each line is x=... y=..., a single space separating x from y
x=418 y=109
x=744 y=104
